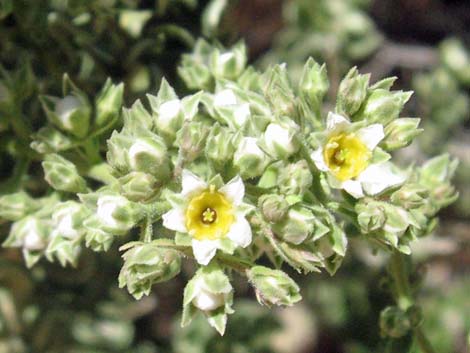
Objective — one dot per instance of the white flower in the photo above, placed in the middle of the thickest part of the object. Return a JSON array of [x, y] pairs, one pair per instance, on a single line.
[[210, 216], [346, 156], [68, 219], [29, 234]]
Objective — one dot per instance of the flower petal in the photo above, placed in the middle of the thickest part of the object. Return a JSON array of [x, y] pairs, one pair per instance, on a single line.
[[191, 183], [371, 135], [175, 220], [240, 231], [336, 122], [378, 177], [204, 250], [353, 188], [319, 160], [234, 190]]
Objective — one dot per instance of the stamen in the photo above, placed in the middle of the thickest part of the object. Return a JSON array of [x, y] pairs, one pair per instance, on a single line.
[[208, 216]]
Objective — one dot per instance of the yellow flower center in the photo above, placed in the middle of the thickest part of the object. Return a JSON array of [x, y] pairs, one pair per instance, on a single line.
[[346, 156], [209, 215]]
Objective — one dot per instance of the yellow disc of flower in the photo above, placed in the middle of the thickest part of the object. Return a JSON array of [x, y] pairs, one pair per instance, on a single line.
[[346, 156], [209, 215]]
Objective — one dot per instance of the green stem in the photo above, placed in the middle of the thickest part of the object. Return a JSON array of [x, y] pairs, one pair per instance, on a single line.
[[404, 296], [101, 172], [423, 341]]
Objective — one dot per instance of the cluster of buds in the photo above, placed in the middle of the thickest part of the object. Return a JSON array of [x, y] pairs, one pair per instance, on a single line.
[[251, 166]]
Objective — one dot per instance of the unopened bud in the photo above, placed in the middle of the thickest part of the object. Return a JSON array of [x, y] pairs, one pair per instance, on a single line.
[[273, 207], [62, 174], [297, 226], [249, 158], [400, 133]]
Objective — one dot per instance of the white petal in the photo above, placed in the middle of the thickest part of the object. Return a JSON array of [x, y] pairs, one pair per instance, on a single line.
[[240, 231], [234, 190], [378, 177], [319, 160], [241, 114], [224, 98], [353, 188], [207, 301], [336, 122], [175, 220], [371, 135], [191, 183], [204, 250], [169, 110]]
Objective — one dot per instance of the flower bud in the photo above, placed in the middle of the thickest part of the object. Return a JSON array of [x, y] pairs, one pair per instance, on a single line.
[[96, 238], [297, 226], [219, 145], [278, 91], [296, 179], [352, 92], [62, 174], [169, 118], [149, 155], [383, 106], [410, 196], [68, 220], [30, 233], [191, 139], [209, 291], [118, 148], [249, 158], [400, 133], [313, 84], [273, 207], [394, 322], [273, 287], [15, 206], [146, 264], [138, 186], [370, 215], [116, 214], [70, 114], [230, 109], [108, 103], [194, 69], [228, 65], [278, 141]]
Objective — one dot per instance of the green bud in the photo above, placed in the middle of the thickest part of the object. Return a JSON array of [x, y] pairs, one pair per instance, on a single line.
[[273, 287], [118, 147], [394, 322], [137, 120], [410, 196], [191, 139], [273, 207], [279, 93], [228, 65], [30, 233], [108, 103], [313, 84], [400, 133], [194, 68], [96, 238], [149, 155], [68, 218], [70, 114], [229, 109], [279, 140], [296, 179], [457, 59], [208, 291], [352, 92], [370, 215], [138, 186], [220, 145], [146, 264], [116, 214], [50, 140], [383, 106], [62, 174], [15, 206], [249, 158], [297, 226]]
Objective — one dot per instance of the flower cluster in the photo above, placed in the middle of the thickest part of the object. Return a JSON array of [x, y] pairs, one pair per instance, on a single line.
[[249, 168]]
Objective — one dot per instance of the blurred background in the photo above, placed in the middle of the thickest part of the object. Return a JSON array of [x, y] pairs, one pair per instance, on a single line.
[[425, 43]]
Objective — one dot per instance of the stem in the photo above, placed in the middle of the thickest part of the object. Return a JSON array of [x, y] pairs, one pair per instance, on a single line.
[[404, 296]]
